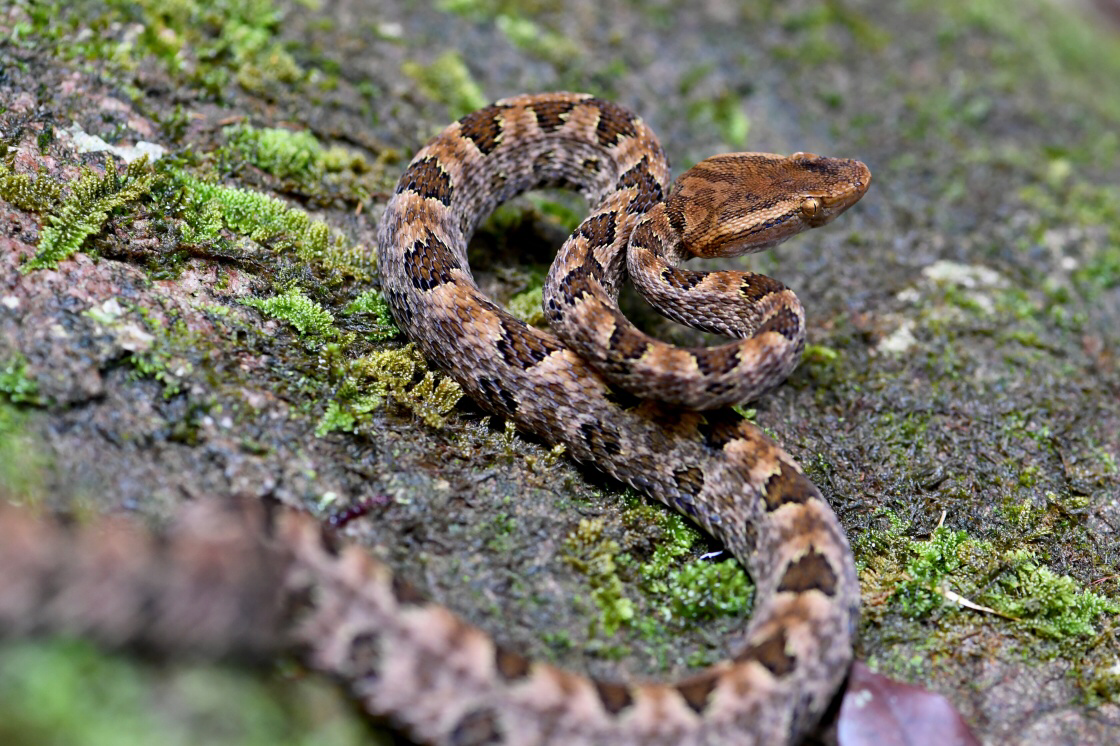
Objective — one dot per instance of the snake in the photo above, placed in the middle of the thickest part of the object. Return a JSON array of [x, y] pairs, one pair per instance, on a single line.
[[253, 578]]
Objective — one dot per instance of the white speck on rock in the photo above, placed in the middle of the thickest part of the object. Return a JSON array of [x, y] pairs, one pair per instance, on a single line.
[[964, 275], [87, 143], [899, 341]]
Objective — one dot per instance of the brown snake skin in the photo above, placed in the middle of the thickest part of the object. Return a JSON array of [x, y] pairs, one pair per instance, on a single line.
[[257, 578]]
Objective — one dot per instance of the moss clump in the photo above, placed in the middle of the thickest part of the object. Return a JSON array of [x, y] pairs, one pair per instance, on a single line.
[[1049, 604], [302, 162], [593, 555], [447, 81], [1013, 583], [41, 194], [528, 306], [23, 461], [85, 210], [15, 384], [369, 381], [308, 317], [262, 218], [705, 590], [372, 303], [283, 153]]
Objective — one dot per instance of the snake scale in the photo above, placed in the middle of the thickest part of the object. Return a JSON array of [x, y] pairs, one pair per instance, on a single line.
[[254, 578]]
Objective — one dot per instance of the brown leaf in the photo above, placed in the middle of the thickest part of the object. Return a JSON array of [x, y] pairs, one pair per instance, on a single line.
[[877, 711]]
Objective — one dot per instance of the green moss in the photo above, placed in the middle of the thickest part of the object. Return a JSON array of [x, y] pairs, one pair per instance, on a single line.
[[23, 460], [528, 306], [371, 302], [308, 317], [211, 44], [1049, 604], [262, 218], [447, 81], [84, 212], [388, 375], [301, 160], [1013, 583], [15, 384], [705, 590], [283, 153], [41, 194], [1060, 202], [594, 555], [46, 697]]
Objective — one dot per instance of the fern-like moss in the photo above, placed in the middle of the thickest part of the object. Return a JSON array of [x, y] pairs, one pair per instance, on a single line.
[[308, 317], [40, 194], [371, 302], [262, 218], [84, 212], [389, 374]]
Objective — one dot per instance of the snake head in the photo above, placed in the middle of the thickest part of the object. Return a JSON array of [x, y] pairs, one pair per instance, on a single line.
[[737, 203]]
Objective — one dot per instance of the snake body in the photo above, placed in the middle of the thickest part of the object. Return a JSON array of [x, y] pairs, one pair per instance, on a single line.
[[714, 466], [262, 577]]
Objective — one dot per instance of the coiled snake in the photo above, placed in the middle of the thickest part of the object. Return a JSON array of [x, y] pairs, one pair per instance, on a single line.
[[657, 425]]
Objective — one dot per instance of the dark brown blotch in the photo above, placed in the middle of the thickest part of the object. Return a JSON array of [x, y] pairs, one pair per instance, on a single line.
[[756, 287], [599, 230], [690, 480], [784, 322], [615, 697], [787, 486], [720, 427], [483, 128], [626, 343], [477, 728], [622, 398], [511, 666], [401, 308], [644, 236], [601, 438], [614, 124], [551, 115], [771, 654], [647, 189], [576, 284], [429, 263], [718, 361], [496, 398], [697, 690], [811, 571], [681, 279], [522, 346], [428, 179], [406, 593]]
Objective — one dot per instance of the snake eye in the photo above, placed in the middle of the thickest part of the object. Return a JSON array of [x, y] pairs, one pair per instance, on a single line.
[[810, 207]]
